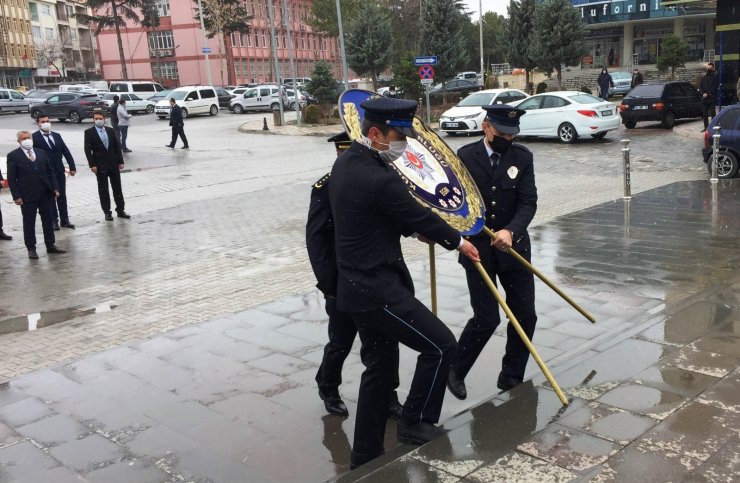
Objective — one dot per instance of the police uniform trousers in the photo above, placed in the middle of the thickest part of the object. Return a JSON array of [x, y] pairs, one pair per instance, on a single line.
[[518, 284], [59, 209], [43, 206], [114, 175], [412, 324]]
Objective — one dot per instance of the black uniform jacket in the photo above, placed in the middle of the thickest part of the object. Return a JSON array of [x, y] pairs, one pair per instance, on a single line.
[[372, 209], [320, 238], [29, 182], [709, 84], [56, 153], [97, 155], [176, 116], [509, 196]]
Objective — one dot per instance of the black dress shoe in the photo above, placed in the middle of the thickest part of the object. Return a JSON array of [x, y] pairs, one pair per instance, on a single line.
[[456, 385], [507, 382], [123, 214], [358, 459], [33, 255], [56, 226], [394, 407], [418, 433], [109, 217], [169, 146], [185, 147], [333, 404], [126, 150], [54, 249], [68, 225], [5, 236]]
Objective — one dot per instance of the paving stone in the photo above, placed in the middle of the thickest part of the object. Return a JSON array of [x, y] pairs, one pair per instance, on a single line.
[[22, 459], [719, 344], [674, 379], [185, 416], [610, 423], [127, 472], [200, 465], [685, 326], [59, 474], [87, 454], [709, 363], [8, 436], [280, 364], [632, 464], [644, 400], [723, 466], [54, 430], [725, 394], [159, 440], [410, 469], [521, 468], [24, 411]]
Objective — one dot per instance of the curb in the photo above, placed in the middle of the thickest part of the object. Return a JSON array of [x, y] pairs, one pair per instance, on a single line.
[[249, 130]]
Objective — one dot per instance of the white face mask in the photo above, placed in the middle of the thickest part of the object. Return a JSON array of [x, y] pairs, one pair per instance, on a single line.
[[27, 144], [395, 150], [45, 126], [99, 123]]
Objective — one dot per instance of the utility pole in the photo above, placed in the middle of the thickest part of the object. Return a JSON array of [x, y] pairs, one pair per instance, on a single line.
[[345, 72], [286, 24], [271, 12], [482, 67], [205, 42]]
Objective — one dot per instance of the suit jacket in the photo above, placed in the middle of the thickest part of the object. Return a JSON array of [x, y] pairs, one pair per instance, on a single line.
[[28, 179], [372, 208], [176, 116], [320, 238], [509, 196], [97, 155], [56, 153], [709, 84]]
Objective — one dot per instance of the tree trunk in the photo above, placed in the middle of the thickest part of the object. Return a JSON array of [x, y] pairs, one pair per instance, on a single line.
[[122, 57], [526, 82], [230, 71], [375, 81], [560, 77]]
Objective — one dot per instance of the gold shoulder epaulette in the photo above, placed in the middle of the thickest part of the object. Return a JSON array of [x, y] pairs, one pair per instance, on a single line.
[[322, 182]]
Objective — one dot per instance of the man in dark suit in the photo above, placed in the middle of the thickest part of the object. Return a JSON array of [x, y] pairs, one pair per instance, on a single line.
[[54, 146], [177, 124], [33, 186], [342, 329], [103, 152], [708, 87], [372, 208], [504, 174], [3, 235]]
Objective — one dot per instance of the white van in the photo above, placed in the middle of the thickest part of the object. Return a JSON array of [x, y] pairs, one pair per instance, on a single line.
[[143, 89], [193, 100], [260, 98], [76, 88]]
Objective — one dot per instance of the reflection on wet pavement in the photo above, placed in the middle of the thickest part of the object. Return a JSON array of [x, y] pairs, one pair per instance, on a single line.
[[40, 320]]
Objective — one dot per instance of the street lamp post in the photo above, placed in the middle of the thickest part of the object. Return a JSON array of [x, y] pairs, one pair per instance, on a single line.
[[271, 13], [482, 69], [345, 72], [205, 42], [286, 24]]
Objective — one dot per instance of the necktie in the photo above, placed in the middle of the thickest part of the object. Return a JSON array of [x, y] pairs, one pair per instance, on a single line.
[[49, 140], [31, 155], [494, 161], [104, 137]]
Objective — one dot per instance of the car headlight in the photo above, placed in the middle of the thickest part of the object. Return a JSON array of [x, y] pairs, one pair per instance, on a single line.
[[472, 116], [444, 118]]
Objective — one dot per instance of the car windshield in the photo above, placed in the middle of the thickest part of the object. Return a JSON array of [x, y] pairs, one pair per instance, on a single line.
[[477, 99], [163, 94], [647, 90], [620, 75], [178, 95], [108, 97], [39, 94], [586, 99]]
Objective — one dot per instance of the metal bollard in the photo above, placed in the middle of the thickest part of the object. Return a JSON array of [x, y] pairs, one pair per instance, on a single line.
[[715, 154], [627, 169], [264, 124]]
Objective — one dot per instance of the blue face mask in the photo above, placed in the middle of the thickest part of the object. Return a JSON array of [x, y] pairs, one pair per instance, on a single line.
[[99, 124]]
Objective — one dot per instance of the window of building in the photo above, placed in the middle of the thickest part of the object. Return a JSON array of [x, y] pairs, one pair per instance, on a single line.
[[165, 70], [73, 34], [36, 32], [163, 39], [49, 33], [163, 7], [45, 10], [264, 40], [249, 40], [256, 39], [34, 11], [70, 11]]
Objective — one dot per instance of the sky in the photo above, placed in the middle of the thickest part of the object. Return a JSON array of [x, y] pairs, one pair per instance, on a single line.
[[498, 6]]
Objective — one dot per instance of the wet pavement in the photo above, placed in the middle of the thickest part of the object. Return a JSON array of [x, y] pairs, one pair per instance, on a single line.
[[653, 384]]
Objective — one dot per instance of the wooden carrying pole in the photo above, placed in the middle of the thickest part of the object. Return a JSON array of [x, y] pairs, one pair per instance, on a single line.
[[542, 277], [433, 278], [521, 333]]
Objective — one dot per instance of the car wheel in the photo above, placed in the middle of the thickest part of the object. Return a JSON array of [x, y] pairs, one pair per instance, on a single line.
[[629, 124], [274, 106], [567, 133], [214, 110], [238, 109], [292, 106], [35, 114], [600, 135], [727, 165], [668, 120], [149, 109], [162, 117], [184, 113], [75, 117]]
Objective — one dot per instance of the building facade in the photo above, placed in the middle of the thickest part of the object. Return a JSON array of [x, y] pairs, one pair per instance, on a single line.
[[173, 52], [17, 51], [626, 32]]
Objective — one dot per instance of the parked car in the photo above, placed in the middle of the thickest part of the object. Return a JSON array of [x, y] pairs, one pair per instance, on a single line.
[[224, 97], [37, 96], [456, 86], [143, 89], [289, 99], [260, 98], [238, 91], [160, 95], [192, 99], [13, 101], [664, 102], [622, 81], [74, 106], [467, 116], [471, 76], [300, 81], [728, 119], [567, 115], [134, 103]]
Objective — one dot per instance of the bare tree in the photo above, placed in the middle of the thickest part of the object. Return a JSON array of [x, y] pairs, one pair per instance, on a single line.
[[221, 19], [52, 51]]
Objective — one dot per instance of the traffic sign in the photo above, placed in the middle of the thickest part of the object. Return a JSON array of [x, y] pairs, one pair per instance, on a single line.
[[427, 82], [426, 72], [206, 50], [427, 59]]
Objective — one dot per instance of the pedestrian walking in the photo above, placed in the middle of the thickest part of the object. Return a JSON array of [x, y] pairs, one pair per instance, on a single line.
[[52, 143], [103, 153], [372, 208], [342, 329], [114, 116], [178, 125], [637, 78], [124, 121], [33, 186], [504, 174], [3, 235], [708, 86], [611, 57], [605, 82]]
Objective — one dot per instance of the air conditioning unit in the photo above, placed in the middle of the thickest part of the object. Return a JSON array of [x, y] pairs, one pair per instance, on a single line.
[[166, 53]]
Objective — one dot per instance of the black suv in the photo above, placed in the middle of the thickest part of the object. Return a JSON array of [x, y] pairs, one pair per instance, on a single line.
[[74, 106], [664, 102]]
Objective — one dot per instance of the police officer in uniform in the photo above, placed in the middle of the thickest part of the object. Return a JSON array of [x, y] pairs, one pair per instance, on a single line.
[[342, 330], [504, 174], [372, 208]]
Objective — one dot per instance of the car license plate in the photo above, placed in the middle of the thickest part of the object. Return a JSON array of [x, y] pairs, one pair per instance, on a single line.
[[638, 108], [606, 113], [452, 124]]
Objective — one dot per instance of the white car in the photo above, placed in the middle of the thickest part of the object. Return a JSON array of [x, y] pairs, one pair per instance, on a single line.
[[134, 103], [192, 99], [567, 115], [467, 116]]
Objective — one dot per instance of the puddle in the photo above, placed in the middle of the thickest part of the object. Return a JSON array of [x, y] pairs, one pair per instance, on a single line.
[[39, 320]]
